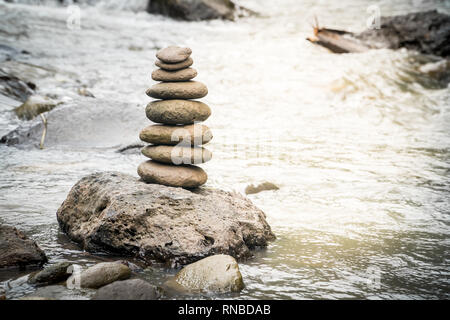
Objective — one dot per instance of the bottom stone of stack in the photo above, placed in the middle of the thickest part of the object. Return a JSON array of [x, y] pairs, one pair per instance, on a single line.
[[185, 176]]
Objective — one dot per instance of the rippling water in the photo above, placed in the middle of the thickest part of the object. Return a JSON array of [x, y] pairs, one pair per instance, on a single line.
[[359, 144]]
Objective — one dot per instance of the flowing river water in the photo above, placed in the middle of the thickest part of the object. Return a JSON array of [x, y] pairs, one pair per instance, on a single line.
[[359, 144]]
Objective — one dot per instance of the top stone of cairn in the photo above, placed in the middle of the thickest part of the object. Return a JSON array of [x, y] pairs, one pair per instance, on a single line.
[[173, 54]]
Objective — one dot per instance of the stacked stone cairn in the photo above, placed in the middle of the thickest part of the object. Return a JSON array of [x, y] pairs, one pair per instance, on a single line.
[[176, 139]]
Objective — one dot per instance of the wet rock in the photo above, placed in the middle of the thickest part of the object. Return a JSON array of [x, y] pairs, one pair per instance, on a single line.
[[177, 154], [175, 66], [173, 54], [15, 88], [218, 274], [59, 292], [174, 76], [195, 134], [116, 212], [77, 123], [193, 10], [85, 92], [101, 274], [177, 111], [34, 106], [178, 90], [427, 32], [16, 250], [133, 289], [183, 176], [251, 189], [53, 274]]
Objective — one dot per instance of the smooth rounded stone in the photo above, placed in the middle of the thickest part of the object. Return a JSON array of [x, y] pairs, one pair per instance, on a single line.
[[173, 54], [116, 212], [174, 66], [177, 111], [185, 176], [177, 154], [51, 275], [100, 275], [175, 76], [178, 90], [133, 289], [218, 274], [16, 250], [194, 134], [252, 189]]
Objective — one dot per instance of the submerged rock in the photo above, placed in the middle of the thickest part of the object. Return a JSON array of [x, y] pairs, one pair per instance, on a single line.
[[77, 123], [251, 189], [116, 212], [218, 274], [51, 275], [193, 10], [427, 32], [133, 289], [101, 274], [16, 250], [15, 88], [59, 292]]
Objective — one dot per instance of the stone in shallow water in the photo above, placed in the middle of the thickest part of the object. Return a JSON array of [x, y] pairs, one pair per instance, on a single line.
[[194, 134], [219, 274], [16, 250], [51, 275], [116, 212], [177, 155], [178, 90], [174, 66], [177, 111], [133, 289], [176, 76], [173, 54], [184, 176], [100, 275]]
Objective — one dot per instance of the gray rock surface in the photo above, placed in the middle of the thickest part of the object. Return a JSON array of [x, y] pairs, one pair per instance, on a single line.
[[178, 90], [174, 76], [218, 274], [16, 250], [195, 134], [133, 289], [184, 176], [116, 212], [175, 66], [177, 111]]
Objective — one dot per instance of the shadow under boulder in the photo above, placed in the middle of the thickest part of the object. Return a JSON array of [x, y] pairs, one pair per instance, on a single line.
[[118, 213]]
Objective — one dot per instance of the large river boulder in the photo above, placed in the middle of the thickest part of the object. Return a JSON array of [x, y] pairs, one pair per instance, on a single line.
[[118, 213], [427, 32]]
